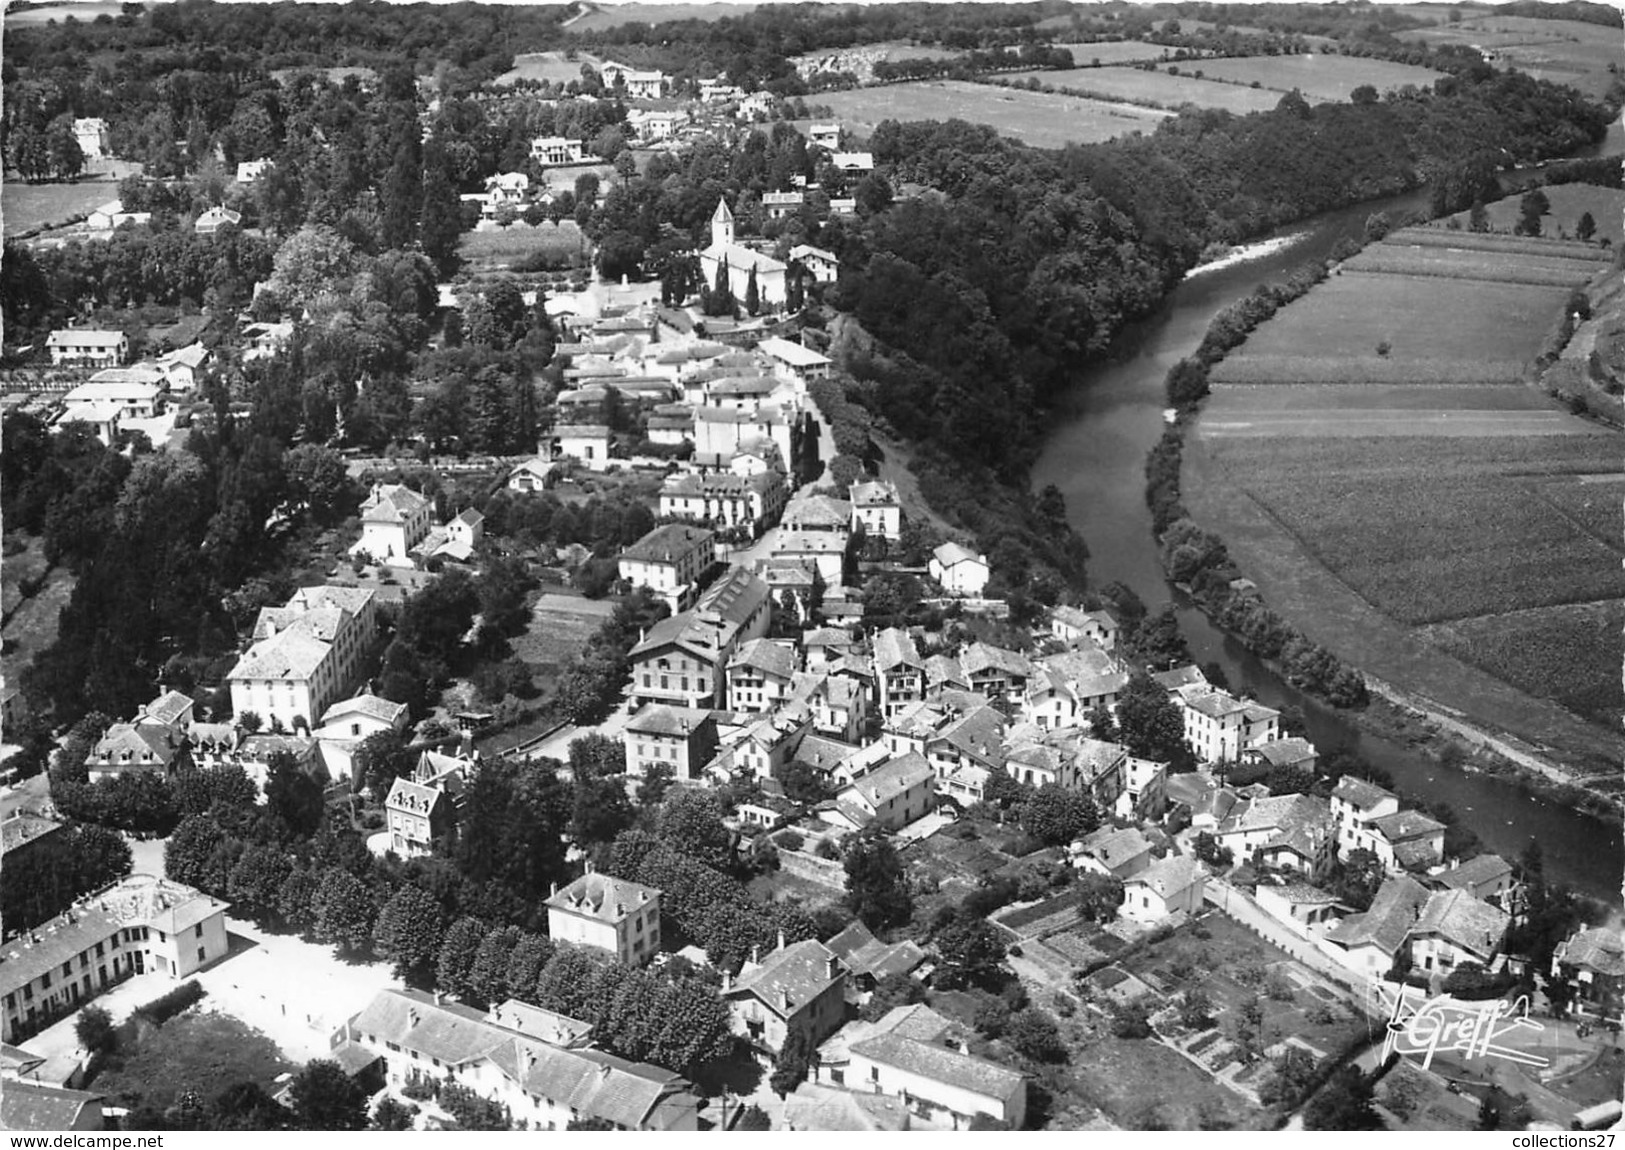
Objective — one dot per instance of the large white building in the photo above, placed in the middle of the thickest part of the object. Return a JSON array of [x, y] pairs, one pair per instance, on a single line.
[[610, 914], [87, 347], [394, 520], [555, 150], [669, 561], [740, 261], [305, 655]]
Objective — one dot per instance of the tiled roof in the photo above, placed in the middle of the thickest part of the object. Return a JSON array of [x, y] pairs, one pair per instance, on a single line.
[[1216, 704], [979, 657], [817, 512], [1464, 920], [369, 706], [734, 598], [166, 708], [796, 974], [1477, 871], [940, 669], [414, 798], [1170, 875], [662, 719], [832, 1111], [84, 337], [604, 897], [143, 744], [1407, 824], [897, 777], [697, 636], [766, 655], [391, 503], [1287, 752], [33, 1106], [668, 543], [23, 828], [878, 493], [939, 1064], [1597, 948], [1114, 847], [952, 554], [863, 953], [893, 648], [291, 654], [1392, 914], [1360, 794], [978, 733]]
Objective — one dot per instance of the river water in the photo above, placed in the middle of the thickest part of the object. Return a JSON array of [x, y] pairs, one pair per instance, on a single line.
[[1103, 430]]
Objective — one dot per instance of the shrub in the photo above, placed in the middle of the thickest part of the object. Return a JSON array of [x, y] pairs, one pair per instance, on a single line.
[[790, 840], [166, 1006]]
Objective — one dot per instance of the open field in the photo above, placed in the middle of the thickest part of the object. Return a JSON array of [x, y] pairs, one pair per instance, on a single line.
[[560, 626], [616, 15], [1036, 118], [1115, 52], [1551, 652], [30, 206], [1157, 89], [1439, 236], [1365, 370], [1562, 51], [84, 12], [1569, 202], [1318, 77], [1325, 400], [1493, 267], [1419, 317], [551, 67], [560, 245], [1493, 544], [1142, 1084]]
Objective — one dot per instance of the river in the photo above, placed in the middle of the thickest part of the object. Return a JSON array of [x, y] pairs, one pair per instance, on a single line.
[[1105, 427]]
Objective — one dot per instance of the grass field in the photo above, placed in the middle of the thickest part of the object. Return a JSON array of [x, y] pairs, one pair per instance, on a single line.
[[1145, 1085], [1329, 401], [1419, 317], [1036, 118], [1115, 52], [617, 15], [551, 67], [1494, 267], [1551, 652], [562, 245], [1562, 51], [560, 626], [1158, 89], [29, 206], [84, 12], [31, 623], [1318, 77], [1460, 239], [1370, 370], [1569, 202]]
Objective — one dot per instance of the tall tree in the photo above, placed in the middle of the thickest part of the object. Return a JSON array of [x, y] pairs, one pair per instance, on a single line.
[[876, 887], [408, 933], [325, 1097]]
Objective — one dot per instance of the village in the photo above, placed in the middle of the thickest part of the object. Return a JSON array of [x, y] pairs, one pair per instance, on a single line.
[[589, 719]]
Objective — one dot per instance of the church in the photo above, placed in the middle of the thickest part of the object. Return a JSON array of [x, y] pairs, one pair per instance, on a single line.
[[770, 282]]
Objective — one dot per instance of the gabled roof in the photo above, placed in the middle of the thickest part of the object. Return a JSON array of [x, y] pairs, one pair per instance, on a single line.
[[1405, 825], [684, 630], [979, 657], [1385, 925], [791, 978], [1113, 847], [1597, 948], [1360, 794], [1460, 918], [766, 655], [939, 1064], [1287, 752], [793, 354], [1169, 876], [1477, 871], [941, 669], [604, 897], [978, 734], [369, 706], [391, 503], [732, 599], [142, 743], [865, 954], [668, 543], [84, 337], [167, 709], [897, 777], [815, 512], [952, 554], [28, 1105], [662, 719], [893, 648]]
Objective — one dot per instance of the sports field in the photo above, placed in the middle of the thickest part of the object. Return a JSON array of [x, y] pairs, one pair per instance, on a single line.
[[1157, 89], [1318, 77], [1421, 509], [1037, 118]]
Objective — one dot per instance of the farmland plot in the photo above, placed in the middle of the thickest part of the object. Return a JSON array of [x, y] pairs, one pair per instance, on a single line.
[[1318, 77], [1544, 271], [1508, 245], [1363, 369], [552, 67], [1040, 119], [1158, 89], [1116, 52], [1562, 51], [1569, 202]]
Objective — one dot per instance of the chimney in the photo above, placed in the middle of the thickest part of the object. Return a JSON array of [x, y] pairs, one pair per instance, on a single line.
[[784, 999], [411, 1016], [781, 940], [831, 967], [727, 982], [755, 954], [620, 909], [643, 896], [603, 1070], [552, 890], [589, 866], [438, 999]]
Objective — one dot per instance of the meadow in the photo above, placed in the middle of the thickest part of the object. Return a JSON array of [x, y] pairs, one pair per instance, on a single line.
[[1370, 370], [557, 245], [82, 11], [1039, 119], [27, 207], [1550, 652], [599, 18], [1318, 77], [1569, 202], [1494, 267], [1418, 317], [1115, 52], [1545, 247], [1562, 51], [1156, 89], [549, 67]]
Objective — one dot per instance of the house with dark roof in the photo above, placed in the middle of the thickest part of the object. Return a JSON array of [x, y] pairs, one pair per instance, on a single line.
[[1171, 886], [1368, 942], [1488, 877], [1065, 687], [916, 1055], [1112, 851], [422, 812], [1592, 962], [1287, 832], [891, 796], [1408, 840], [681, 662], [609, 914], [996, 672], [23, 834], [132, 748], [899, 671], [871, 960], [513, 1056], [669, 561], [1290, 752], [26, 1105], [759, 675], [1454, 928], [796, 988], [682, 738]]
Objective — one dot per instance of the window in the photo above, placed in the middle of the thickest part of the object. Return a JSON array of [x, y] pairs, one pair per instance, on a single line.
[[874, 1074], [200, 957], [67, 969], [197, 931], [45, 982]]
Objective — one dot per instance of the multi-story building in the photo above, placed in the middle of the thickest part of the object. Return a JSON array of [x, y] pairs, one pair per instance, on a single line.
[[877, 507], [306, 655], [1072, 624], [422, 812], [793, 362], [350, 722], [1356, 805], [134, 748], [554, 150], [394, 521], [899, 672], [610, 914], [1488, 877], [135, 926], [1067, 686], [529, 1060], [637, 84], [1592, 962], [891, 796], [1145, 790], [1292, 832], [759, 675], [87, 347], [797, 988], [669, 561], [1219, 726], [722, 499], [682, 738], [962, 572], [1171, 886], [1453, 929]]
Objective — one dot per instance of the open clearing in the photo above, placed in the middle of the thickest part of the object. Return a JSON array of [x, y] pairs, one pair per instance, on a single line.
[[1036, 118], [1157, 89], [560, 245], [599, 19], [560, 626], [84, 12], [551, 67], [1318, 77], [30, 206], [1569, 202]]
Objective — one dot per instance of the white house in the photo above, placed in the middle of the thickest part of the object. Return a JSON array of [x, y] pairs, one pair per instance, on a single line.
[[530, 475], [555, 150], [1219, 726], [423, 811], [826, 136], [823, 266], [91, 135], [394, 521], [891, 796], [638, 85], [669, 561], [216, 218], [794, 363], [877, 506], [87, 347], [350, 722], [305, 655], [1073, 624], [851, 162], [962, 572], [111, 214], [586, 442], [250, 170], [1172, 886], [606, 913], [135, 399]]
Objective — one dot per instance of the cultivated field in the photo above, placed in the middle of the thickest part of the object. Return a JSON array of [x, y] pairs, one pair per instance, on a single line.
[[560, 626], [1115, 52], [559, 245], [1549, 651], [1157, 89], [1318, 77], [1569, 202], [1424, 511], [1562, 51], [1036, 118], [551, 67], [1547, 247]]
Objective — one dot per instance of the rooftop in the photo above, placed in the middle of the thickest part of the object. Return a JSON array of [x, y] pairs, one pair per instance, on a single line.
[[1464, 920], [939, 1064], [793, 354], [1393, 912], [661, 719], [952, 554], [603, 897], [668, 544], [791, 977], [1360, 794], [896, 777]]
